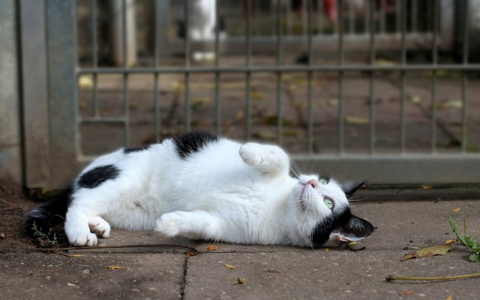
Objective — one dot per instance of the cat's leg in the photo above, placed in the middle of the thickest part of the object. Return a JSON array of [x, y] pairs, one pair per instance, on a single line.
[[83, 222], [77, 228], [194, 225], [266, 158]]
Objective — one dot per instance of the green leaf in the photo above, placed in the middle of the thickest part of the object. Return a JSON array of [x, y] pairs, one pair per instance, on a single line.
[[474, 257]]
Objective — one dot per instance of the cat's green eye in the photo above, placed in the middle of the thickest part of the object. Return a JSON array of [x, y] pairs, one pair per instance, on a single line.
[[323, 181], [328, 202]]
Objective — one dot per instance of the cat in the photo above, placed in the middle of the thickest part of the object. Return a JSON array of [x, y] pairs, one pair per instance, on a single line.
[[205, 187]]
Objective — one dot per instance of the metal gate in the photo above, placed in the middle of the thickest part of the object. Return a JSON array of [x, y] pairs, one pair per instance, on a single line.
[[382, 119]]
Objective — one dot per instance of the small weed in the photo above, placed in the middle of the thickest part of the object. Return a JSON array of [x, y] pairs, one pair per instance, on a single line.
[[466, 240], [44, 240]]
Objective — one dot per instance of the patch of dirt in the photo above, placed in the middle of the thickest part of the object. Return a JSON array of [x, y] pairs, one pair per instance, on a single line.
[[14, 205]]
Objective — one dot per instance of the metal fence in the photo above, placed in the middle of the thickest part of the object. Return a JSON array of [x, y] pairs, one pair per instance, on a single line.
[[322, 138]]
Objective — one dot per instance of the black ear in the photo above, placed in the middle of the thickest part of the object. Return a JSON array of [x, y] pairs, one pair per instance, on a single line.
[[356, 229], [350, 187]]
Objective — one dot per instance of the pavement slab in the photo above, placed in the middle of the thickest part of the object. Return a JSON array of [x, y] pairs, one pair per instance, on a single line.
[[91, 276]]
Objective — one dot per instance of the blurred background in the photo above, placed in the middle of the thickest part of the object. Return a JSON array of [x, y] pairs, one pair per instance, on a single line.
[[377, 89]]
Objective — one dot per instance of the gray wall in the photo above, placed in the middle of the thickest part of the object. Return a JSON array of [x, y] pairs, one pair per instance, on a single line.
[[10, 137]]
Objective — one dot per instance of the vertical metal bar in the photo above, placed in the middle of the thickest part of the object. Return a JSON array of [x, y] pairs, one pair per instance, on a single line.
[[382, 16], [155, 75], [309, 79], [372, 76], [466, 28], [125, 75], [414, 15], [63, 114], [351, 17], [289, 18], [320, 17], [187, 65], [434, 76], [257, 18], [341, 123], [398, 15], [279, 74], [218, 103], [248, 74], [33, 71], [403, 24], [95, 57], [304, 21], [366, 24]]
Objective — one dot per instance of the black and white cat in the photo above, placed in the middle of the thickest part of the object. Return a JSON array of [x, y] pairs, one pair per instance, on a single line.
[[200, 186]]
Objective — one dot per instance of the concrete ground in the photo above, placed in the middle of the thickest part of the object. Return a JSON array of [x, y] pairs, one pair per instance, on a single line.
[[160, 270]]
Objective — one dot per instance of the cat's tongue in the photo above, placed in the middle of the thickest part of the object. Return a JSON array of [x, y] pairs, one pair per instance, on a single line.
[[345, 237], [350, 238]]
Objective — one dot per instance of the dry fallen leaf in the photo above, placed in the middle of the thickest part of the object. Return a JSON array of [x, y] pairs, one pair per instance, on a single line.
[[352, 243], [239, 115], [450, 104], [85, 81], [357, 120], [241, 280], [449, 298], [456, 210], [230, 266], [115, 268], [212, 248], [406, 293], [76, 255], [257, 95], [416, 99], [426, 187], [449, 241], [273, 271], [429, 251], [189, 254]]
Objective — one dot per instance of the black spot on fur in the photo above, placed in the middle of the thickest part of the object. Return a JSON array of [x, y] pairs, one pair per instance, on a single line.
[[135, 149], [97, 176], [193, 142], [322, 231]]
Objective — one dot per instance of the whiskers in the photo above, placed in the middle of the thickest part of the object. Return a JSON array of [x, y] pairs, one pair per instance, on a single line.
[[358, 199]]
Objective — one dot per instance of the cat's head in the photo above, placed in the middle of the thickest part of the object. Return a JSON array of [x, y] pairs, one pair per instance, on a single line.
[[322, 214]]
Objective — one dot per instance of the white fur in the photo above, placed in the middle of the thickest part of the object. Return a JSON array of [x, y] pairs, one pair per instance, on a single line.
[[224, 192]]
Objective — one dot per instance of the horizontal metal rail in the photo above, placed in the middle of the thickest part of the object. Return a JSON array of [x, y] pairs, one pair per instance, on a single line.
[[270, 69]]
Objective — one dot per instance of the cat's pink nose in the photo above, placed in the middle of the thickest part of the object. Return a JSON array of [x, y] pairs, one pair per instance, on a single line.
[[313, 183]]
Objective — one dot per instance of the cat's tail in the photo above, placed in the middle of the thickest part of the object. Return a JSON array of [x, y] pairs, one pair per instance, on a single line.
[[48, 214]]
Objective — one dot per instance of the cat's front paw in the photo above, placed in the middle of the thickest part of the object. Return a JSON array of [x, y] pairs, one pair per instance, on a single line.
[[99, 226], [78, 238], [169, 224]]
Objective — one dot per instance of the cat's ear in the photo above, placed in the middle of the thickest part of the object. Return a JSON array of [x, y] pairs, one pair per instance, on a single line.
[[356, 229], [350, 187]]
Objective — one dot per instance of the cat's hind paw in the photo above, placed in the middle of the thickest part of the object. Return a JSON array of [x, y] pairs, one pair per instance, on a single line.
[[99, 226], [169, 224]]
